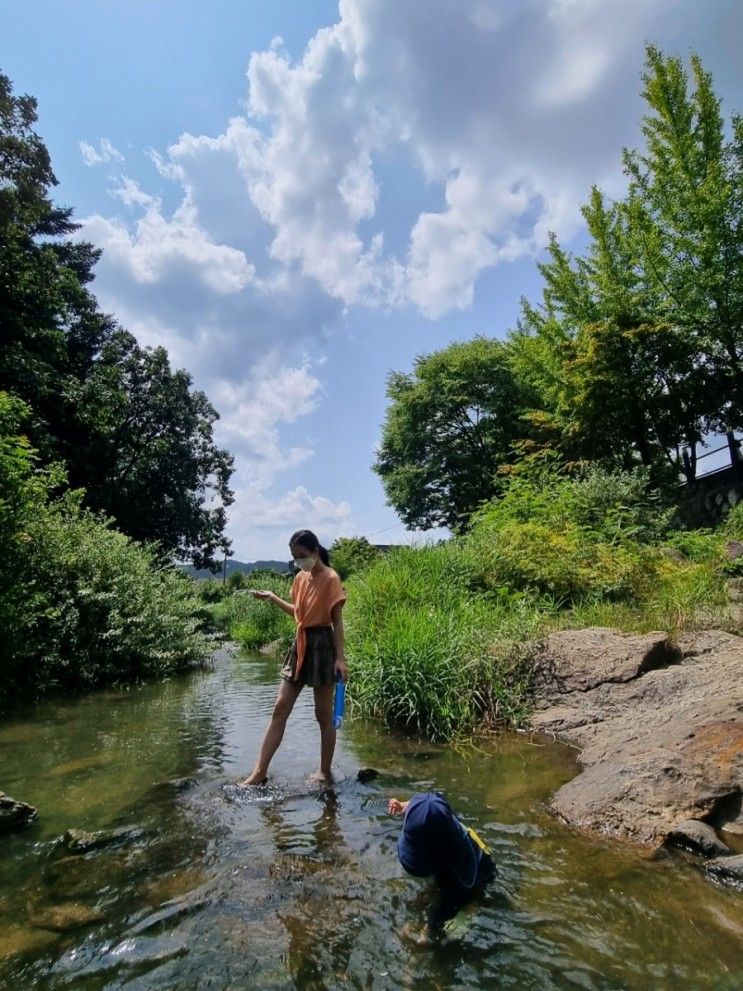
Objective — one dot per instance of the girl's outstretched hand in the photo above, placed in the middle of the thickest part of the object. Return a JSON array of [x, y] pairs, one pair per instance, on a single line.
[[395, 806], [260, 594]]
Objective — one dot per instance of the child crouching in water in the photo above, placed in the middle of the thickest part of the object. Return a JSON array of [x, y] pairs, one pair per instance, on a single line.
[[433, 842]]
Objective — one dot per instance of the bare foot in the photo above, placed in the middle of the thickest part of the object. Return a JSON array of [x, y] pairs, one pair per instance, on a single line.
[[321, 778], [254, 778]]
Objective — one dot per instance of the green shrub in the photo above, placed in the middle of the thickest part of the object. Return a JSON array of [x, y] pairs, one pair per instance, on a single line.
[[565, 564], [253, 623], [684, 597], [97, 607], [80, 604], [697, 545], [610, 506], [350, 555], [570, 537], [210, 590]]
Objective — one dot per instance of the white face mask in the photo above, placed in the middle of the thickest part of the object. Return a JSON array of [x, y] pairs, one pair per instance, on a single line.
[[305, 563]]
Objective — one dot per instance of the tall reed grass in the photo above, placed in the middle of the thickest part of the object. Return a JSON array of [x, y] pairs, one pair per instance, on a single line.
[[430, 650]]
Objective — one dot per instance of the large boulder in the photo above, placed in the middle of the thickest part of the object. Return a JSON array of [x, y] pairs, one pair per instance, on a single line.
[[659, 728], [13, 814], [578, 660]]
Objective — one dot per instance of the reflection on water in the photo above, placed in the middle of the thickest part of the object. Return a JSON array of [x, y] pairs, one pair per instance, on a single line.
[[295, 887]]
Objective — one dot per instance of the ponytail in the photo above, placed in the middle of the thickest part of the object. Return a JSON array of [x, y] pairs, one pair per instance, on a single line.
[[308, 540]]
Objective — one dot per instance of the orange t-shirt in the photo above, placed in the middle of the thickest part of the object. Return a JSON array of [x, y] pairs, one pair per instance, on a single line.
[[314, 597]]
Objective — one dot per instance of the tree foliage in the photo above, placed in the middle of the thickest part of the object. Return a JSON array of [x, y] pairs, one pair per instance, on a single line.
[[149, 455], [635, 350], [449, 427], [131, 432]]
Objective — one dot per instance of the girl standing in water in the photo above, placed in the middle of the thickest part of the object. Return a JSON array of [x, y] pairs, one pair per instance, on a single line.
[[317, 655]]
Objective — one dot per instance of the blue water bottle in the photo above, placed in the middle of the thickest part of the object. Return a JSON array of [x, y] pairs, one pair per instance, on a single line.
[[339, 704]]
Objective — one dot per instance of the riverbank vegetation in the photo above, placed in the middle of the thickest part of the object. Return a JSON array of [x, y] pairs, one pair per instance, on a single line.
[[442, 638], [80, 603], [108, 467], [250, 622]]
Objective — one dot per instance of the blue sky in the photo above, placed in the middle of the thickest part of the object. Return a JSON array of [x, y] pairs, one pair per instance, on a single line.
[[296, 198]]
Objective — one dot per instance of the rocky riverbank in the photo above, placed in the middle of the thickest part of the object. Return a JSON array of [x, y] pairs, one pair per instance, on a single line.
[[659, 729]]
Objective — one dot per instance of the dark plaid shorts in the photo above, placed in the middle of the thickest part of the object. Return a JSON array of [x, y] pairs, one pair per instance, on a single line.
[[319, 659]]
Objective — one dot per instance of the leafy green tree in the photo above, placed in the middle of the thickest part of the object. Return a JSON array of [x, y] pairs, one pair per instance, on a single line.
[[618, 386], [635, 351], [450, 426], [50, 327], [131, 432], [149, 458], [685, 207], [350, 555]]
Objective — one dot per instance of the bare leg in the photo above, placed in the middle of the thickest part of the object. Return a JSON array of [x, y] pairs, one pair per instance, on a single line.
[[324, 716], [288, 694]]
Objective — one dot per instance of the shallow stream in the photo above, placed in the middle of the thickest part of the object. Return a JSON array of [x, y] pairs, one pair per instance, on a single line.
[[292, 887]]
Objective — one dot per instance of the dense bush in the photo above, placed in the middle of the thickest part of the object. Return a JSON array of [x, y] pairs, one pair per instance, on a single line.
[[350, 555], [253, 623], [572, 537], [80, 604]]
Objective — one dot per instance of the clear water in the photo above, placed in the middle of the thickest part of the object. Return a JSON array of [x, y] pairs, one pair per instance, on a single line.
[[298, 889]]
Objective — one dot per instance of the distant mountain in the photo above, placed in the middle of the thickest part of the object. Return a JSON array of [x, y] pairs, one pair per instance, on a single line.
[[232, 566]]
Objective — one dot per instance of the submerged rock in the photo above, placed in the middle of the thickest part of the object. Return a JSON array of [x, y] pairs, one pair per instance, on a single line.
[[83, 878], [13, 814], [659, 728], [66, 917], [80, 841], [367, 774], [699, 837], [171, 787], [727, 868]]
